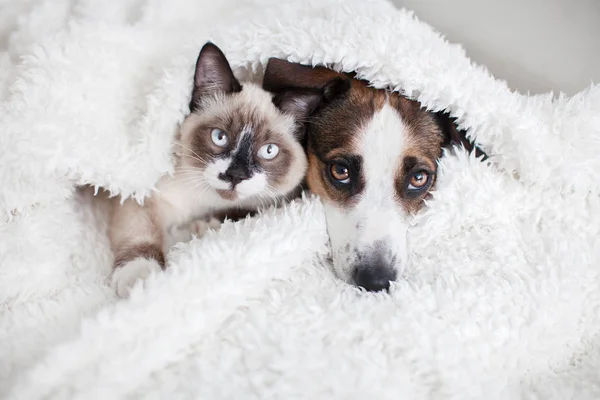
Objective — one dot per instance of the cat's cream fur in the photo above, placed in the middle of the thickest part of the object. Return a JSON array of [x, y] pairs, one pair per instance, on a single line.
[[138, 234]]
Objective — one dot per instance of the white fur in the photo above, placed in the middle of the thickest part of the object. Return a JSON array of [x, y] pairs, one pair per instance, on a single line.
[[501, 292], [135, 271], [377, 217], [252, 186], [213, 170]]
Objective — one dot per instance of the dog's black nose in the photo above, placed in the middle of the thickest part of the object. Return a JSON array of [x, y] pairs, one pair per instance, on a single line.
[[374, 278]]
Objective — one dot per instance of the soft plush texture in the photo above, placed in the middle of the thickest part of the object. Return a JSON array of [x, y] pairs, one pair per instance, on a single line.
[[501, 296]]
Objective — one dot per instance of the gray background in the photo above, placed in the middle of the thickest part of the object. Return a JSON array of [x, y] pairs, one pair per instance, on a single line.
[[537, 46]]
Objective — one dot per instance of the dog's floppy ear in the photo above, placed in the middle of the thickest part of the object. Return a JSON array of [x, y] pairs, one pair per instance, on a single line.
[[455, 136], [300, 89], [304, 81], [281, 74], [213, 75], [301, 102]]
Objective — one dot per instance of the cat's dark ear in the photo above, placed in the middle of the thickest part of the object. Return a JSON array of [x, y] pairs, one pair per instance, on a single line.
[[213, 74]]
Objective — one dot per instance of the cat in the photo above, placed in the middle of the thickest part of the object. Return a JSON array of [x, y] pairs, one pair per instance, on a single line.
[[238, 148]]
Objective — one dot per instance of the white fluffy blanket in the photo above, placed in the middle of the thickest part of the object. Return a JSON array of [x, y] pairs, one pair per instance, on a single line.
[[501, 298]]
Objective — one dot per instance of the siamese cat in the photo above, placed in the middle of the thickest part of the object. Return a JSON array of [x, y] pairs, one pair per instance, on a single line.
[[236, 149]]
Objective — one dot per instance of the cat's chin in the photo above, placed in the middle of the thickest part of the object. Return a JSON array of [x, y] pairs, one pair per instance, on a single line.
[[230, 195]]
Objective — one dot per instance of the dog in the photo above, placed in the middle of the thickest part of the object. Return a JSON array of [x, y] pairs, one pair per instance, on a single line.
[[372, 161]]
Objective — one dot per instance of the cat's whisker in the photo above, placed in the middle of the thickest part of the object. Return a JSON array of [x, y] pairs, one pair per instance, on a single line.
[[285, 197], [186, 176], [277, 195], [199, 158], [190, 172], [274, 196], [262, 203], [187, 173], [270, 193], [197, 187], [195, 158], [189, 168], [192, 183], [189, 181], [261, 198], [267, 194]]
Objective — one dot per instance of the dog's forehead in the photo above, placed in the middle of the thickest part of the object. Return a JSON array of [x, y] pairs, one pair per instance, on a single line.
[[337, 124], [381, 144], [343, 123]]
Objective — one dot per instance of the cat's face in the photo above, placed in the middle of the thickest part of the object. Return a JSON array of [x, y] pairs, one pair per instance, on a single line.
[[243, 146], [236, 142]]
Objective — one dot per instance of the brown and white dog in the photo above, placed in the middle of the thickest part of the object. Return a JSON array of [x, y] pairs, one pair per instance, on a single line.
[[372, 160]]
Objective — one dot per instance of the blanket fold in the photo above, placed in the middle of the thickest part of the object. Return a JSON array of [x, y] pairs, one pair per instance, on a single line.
[[501, 294]]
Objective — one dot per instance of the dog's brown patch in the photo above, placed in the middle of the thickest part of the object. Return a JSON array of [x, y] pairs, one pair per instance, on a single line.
[[319, 184], [423, 147], [149, 251], [425, 136], [336, 127]]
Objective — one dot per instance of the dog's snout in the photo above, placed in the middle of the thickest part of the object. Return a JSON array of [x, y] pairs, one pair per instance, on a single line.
[[374, 278]]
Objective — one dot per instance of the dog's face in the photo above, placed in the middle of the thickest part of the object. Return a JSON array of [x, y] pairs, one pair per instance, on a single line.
[[372, 160]]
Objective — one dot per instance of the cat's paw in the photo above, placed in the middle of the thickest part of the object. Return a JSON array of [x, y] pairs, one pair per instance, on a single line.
[[128, 274], [200, 226], [184, 233]]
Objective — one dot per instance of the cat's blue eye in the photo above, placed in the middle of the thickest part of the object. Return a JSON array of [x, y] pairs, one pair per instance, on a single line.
[[268, 151], [219, 137]]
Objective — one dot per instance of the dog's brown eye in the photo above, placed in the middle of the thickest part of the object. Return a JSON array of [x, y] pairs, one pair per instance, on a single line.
[[418, 180], [340, 173]]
